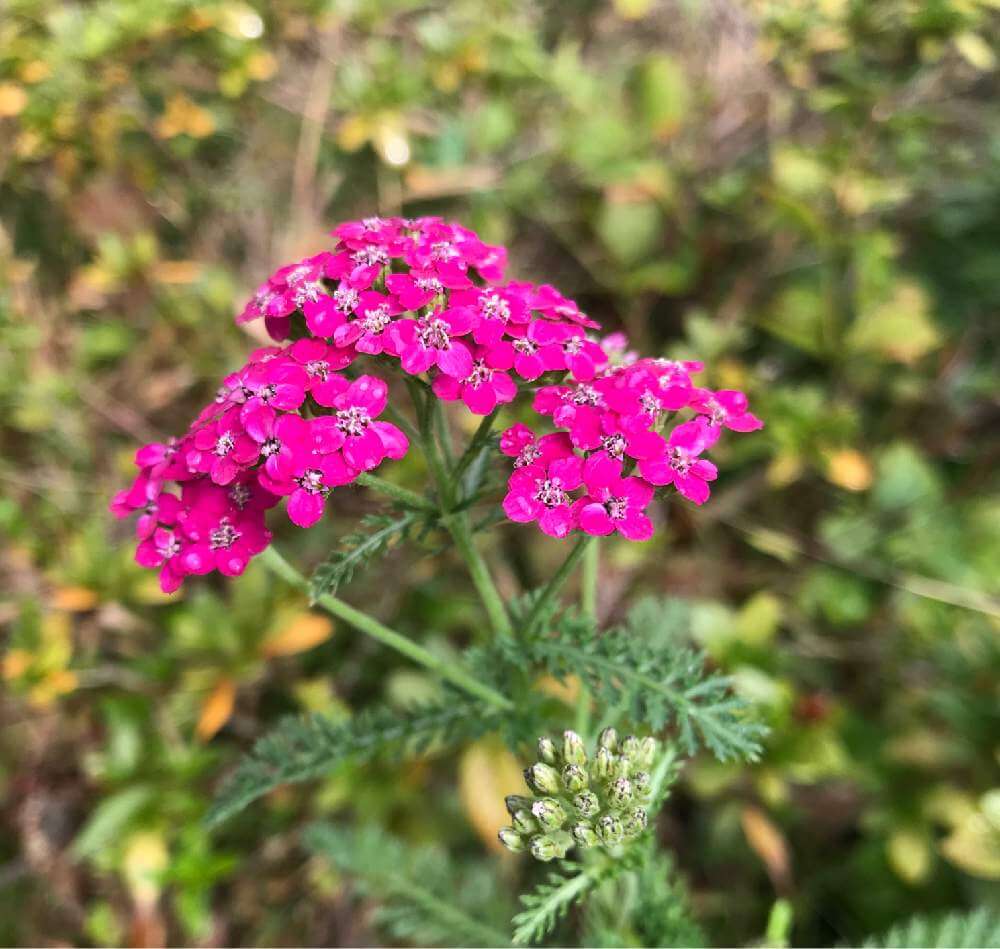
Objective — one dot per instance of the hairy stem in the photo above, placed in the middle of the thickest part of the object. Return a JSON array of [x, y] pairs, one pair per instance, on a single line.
[[475, 445], [588, 604], [404, 496], [556, 584], [446, 669], [457, 522]]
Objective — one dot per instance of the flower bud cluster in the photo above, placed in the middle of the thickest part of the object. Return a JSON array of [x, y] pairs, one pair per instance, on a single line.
[[580, 800]]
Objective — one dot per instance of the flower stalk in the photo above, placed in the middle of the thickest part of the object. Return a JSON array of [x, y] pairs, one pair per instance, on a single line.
[[446, 669]]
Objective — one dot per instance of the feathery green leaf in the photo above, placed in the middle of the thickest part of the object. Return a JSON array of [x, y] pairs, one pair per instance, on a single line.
[[300, 748], [375, 536], [428, 899], [979, 928]]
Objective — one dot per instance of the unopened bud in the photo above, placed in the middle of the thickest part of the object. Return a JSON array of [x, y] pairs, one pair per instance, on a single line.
[[517, 802], [549, 813], [524, 823], [573, 749], [586, 803], [648, 748], [547, 750], [630, 747], [604, 763], [635, 821], [542, 778], [585, 835], [620, 793], [544, 848], [574, 778], [511, 839], [608, 739], [641, 783], [609, 829]]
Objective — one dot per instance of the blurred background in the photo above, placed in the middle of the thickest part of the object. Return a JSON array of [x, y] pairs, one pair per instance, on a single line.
[[804, 193]]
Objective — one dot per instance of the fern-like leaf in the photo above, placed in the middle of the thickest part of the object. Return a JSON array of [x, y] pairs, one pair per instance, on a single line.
[[643, 669], [375, 536], [300, 748], [979, 928], [549, 902], [426, 897]]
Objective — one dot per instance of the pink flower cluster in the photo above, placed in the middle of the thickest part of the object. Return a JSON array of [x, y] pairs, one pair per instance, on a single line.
[[425, 297], [599, 470], [260, 440]]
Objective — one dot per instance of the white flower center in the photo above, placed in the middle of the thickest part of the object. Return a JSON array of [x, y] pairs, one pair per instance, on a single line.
[[311, 481], [224, 536], [550, 492], [353, 421], [433, 334]]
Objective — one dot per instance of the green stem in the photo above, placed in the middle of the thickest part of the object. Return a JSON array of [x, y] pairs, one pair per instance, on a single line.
[[588, 579], [475, 445], [405, 497], [446, 669], [556, 584], [458, 524]]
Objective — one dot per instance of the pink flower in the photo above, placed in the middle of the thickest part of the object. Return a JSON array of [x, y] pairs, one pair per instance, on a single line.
[[222, 449], [570, 349], [526, 448], [542, 493], [616, 505], [219, 536], [281, 440], [482, 390], [369, 330], [278, 384], [325, 314], [552, 304], [725, 408], [364, 442], [496, 309], [581, 409], [429, 341], [321, 364], [415, 289], [162, 549], [681, 465]]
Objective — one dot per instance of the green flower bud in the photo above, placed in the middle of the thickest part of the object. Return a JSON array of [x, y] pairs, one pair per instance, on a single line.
[[544, 848], [648, 748], [524, 823], [605, 762], [517, 802], [635, 821], [630, 747], [584, 835], [608, 739], [549, 813], [573, 749], [511, 839], [547, 750], [620, 793], [610, 830], [574, 778], [587, 804], [641, 783], [542, 778]]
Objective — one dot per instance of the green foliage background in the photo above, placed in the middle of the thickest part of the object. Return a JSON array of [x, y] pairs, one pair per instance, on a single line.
[[805, 193]]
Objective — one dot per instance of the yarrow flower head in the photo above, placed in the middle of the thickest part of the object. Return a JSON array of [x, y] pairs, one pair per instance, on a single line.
[[583, 801], [427, 298]]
